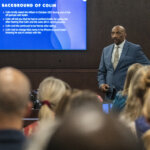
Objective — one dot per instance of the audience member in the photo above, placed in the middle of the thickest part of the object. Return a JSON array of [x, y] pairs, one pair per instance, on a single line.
[[75, 99], [14, 105], [86, 128], [136, 96], [120, 99], [50, 92], [142, 123]]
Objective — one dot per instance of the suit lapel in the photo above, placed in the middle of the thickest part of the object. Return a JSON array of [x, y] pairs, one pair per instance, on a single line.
[[124, 51], [110, 54]]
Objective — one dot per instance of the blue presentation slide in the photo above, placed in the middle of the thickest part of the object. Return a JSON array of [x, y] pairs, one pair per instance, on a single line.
[[43, 24]]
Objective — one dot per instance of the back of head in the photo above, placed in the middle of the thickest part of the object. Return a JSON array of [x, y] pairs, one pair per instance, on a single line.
[[75, 99], [83, 97], [137, 90], [130, 73], [52, 90], [14, 91], [87, 128]]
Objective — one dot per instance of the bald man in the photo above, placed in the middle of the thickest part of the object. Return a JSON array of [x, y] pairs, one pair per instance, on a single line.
[[14, 104], [115, 60]]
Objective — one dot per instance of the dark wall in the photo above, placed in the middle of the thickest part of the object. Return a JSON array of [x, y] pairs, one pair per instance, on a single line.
[[79, 68]]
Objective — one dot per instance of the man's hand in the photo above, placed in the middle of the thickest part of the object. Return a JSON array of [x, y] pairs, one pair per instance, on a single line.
[[104, 87]]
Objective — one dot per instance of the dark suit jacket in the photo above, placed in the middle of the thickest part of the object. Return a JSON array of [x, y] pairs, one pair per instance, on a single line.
[[131, 53], [12, 140]]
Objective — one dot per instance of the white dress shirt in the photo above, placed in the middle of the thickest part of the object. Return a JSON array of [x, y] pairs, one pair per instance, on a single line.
[[120, 50]]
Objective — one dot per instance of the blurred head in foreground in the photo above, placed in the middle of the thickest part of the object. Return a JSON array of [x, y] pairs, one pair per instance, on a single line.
[[87, 128], [14, 97]]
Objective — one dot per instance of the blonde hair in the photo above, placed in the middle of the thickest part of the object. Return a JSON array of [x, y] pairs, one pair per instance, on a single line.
[[136, 95], [52, 90], [146, 107], [130, 73]]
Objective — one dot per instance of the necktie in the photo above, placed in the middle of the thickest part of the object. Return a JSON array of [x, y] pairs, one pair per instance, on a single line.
[[116, 57]]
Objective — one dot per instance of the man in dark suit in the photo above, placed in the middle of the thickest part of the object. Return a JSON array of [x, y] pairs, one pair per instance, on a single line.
[[115, 60]]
